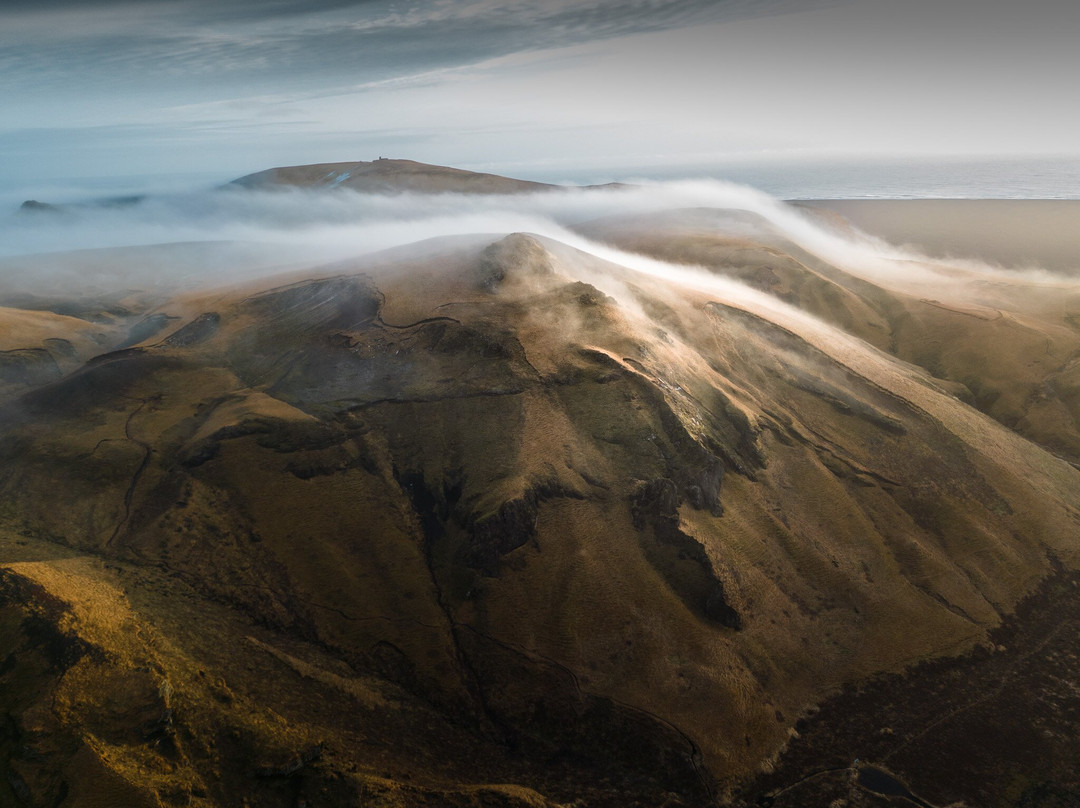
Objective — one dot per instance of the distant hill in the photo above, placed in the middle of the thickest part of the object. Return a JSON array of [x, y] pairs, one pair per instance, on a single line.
[[35, 207], [384, 175]]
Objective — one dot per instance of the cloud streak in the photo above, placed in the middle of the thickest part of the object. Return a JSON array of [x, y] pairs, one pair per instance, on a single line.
[[316, 41]]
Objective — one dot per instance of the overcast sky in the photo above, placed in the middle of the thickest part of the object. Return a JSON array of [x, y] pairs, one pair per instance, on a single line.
[[530, 87]]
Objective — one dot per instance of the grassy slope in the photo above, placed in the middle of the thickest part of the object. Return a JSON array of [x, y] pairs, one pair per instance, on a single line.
[[482, 506]]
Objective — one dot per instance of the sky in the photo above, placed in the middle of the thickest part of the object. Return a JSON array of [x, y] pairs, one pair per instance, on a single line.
[[542, 89]]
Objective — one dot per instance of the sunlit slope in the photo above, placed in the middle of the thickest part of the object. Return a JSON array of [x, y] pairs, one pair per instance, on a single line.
[[1006, 342], [37, 347], [632, 519]]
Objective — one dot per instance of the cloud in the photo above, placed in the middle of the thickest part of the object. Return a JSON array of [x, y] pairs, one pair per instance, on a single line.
[[288, 42], [318, 227], [203, 86]]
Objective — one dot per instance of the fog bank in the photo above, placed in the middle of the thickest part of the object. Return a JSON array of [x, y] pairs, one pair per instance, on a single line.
[[269, 230]]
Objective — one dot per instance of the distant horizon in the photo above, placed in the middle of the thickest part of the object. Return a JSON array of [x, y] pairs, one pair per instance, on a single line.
[[804, 177]]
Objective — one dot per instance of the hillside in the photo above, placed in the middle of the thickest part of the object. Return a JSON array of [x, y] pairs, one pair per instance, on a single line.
[[497, 520]]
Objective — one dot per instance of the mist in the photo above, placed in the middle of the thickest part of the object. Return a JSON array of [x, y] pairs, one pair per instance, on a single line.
[[255, 232], [351, 222]]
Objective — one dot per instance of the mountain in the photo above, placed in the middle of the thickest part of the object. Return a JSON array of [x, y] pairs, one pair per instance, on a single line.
[[502, 520], [1007, 343], [384, 175]]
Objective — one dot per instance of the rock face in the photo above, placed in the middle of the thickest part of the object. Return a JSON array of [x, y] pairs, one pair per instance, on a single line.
[[393, 533]]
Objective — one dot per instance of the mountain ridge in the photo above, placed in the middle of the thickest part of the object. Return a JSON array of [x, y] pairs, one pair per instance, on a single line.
[[605, 531]]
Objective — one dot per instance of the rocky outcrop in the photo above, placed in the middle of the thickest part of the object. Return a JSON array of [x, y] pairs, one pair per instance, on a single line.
[[198, 330], [681, 559]]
